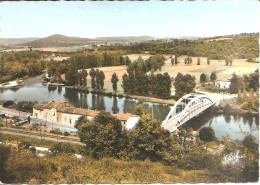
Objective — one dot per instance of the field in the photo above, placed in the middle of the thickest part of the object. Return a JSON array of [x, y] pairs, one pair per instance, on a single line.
[[239, 66]]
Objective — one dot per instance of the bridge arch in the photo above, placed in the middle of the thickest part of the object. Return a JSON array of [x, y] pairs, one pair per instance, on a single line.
[[185, 109]]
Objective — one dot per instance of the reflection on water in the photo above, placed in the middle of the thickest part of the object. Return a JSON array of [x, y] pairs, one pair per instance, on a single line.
[[236, 126]]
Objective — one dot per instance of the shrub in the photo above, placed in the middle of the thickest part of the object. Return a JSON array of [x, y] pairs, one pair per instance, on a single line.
[[207, 134], [66, 133], [25, 144]]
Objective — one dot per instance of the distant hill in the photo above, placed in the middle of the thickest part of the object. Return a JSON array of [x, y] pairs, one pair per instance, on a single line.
[[58, 40], [15, 41]]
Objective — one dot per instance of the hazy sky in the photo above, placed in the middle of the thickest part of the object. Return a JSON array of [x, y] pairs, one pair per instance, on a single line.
[[159, 19]]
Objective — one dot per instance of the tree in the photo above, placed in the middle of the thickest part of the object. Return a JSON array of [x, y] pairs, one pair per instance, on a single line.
[[125, 83], [127, 61], [230, 62], [149, 141], [213, 77], [114, 81], [101, 79], [227, 60], [184, 84], [92, 73], [203, 78], [103, 137], [198, 61], [251, 98], [207, 134], [236, 84], [208, 60], [172, 61]]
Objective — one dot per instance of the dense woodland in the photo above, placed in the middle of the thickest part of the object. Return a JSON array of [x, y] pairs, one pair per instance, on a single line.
[[239, 46], [20, 65]]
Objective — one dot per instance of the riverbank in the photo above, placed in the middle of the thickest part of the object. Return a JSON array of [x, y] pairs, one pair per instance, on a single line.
[[231, 107]]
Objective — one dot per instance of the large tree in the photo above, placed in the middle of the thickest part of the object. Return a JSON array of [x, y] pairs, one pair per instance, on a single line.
[[103, 137]]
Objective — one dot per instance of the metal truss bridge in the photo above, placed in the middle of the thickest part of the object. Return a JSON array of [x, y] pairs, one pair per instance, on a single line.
[[186, 108]]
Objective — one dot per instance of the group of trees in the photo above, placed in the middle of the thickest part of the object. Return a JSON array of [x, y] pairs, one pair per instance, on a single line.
[[19, 65], [188, 60], [97, 79], [80, 61], [247, 89], [247, 82], [103, 137], [238, 46], [248, 100], [138, 81], [204, 77], [229, 61], [184, 84]]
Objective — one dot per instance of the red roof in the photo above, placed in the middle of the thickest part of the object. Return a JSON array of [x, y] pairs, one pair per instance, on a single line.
[[50, 105], [87, 112], [122, 117]]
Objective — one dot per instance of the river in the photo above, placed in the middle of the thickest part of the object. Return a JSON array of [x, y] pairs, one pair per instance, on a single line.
[[33, 90]]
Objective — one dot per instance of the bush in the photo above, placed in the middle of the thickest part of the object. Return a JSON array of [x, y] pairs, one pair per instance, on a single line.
[[63, 148], [56, 131], [33, 149], [25, 144], [207, 134], [66, 133]]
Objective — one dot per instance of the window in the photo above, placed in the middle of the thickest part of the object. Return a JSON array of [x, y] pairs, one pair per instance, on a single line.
[[70, 121]]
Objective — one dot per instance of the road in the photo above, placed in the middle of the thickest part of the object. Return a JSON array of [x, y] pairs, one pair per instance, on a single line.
[[24, 116]]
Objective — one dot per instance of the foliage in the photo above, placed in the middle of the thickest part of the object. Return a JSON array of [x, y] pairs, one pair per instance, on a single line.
[[26, 106], [239, 46], [139, 82], [184, 84], [80, 120], [24, 167], [203, 78], [63, 148], [207, 134], [19, 65], [114, 80], [103, 137], [236, 84], [213, 76], [251, 81]]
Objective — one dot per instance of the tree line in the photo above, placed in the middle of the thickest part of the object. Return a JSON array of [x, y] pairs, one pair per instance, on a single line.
[[238, 46]]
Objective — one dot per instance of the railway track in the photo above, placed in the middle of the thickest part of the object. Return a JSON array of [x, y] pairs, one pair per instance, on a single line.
[[64, 138]]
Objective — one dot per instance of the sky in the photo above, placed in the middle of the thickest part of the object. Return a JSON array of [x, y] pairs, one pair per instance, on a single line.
[[153, 18]]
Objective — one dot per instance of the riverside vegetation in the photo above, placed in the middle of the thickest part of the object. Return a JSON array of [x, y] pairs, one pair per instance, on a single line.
[[148, 154]]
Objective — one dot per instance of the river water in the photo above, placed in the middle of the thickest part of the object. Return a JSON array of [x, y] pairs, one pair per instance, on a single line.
[[33, 90]]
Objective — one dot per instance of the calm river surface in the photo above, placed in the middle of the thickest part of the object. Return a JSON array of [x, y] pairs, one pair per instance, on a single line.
[[33, 90]]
